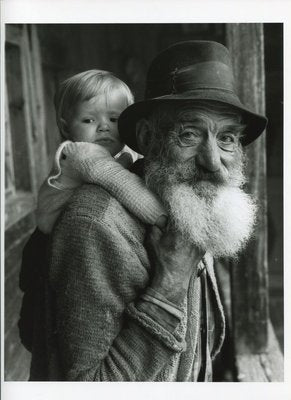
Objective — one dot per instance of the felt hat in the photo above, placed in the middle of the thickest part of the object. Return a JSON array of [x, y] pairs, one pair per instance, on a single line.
[[190, 71]]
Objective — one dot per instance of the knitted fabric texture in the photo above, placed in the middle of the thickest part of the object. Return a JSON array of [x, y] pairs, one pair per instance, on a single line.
[[90, 163], [99, 269]]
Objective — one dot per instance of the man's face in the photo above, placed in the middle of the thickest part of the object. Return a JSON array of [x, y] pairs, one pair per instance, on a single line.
[[196, 167], [201, 145]]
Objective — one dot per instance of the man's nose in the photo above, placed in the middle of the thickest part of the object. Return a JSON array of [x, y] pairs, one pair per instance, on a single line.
[[208, 155]]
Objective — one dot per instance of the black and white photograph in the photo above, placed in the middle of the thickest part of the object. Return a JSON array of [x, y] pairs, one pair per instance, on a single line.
[[142, 205]]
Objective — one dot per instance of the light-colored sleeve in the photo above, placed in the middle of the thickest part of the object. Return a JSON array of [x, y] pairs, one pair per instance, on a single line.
[[55, 191], [128, 188], [50, 204], [95, 165]]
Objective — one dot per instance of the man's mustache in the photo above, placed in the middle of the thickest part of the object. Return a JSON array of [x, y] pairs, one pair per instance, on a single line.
[[192, 174]]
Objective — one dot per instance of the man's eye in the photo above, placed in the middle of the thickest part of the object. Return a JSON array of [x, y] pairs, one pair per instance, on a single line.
[[225, 138], [228, 141], [188, 134]]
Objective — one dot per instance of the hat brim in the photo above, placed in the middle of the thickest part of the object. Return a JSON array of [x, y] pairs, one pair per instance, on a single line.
[[255, 123]]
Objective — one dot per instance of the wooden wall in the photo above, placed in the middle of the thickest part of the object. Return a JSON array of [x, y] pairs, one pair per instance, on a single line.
[[25, 168], [274, 109]]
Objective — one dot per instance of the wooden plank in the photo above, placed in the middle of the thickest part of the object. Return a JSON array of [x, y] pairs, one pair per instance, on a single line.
[[19, 232], [28, 111], [249, 275], [17, 99], [12, 310], [18, 368], [18, 207], [52, 134], [9, 167], [35, 86], [265, 367], [12, 279], [13, 295], [16, 358]]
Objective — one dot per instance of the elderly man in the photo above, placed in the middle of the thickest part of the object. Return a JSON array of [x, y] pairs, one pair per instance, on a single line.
[[125, 304]]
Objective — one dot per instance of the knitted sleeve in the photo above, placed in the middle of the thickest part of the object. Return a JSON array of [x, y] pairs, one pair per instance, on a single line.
[[97, 277], [55, 192], [128, 188], [50, 203], [95, 165]]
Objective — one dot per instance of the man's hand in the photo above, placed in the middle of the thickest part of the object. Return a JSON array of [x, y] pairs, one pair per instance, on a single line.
[[174, 260]]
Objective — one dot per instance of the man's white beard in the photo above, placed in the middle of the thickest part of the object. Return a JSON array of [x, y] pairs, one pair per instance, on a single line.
[[220, 226], [217, 217]]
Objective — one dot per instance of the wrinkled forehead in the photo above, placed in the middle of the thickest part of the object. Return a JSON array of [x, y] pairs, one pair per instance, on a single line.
[[200, 112]]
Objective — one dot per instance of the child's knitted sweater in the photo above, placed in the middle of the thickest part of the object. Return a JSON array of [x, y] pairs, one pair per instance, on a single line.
[[91, 163]]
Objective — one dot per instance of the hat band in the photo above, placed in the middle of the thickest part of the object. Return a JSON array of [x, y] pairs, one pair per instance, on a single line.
[[204, 75]]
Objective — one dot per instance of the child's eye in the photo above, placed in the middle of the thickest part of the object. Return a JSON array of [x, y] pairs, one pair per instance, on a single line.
[[113, 119], [88, 120]]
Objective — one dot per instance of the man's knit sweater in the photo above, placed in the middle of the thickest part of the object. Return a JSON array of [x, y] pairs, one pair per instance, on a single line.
[[96, 328]]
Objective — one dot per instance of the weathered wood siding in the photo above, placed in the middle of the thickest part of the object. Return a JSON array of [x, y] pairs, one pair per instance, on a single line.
[[250, 303], [273, 33], [16, 358], [28, 164], [253, 339]]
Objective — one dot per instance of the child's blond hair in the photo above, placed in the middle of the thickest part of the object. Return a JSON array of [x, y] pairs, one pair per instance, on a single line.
[[84, 86]]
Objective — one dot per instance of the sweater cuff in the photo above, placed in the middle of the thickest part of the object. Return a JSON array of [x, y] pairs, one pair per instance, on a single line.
[[145, 318], [157, 298], [167, 320]]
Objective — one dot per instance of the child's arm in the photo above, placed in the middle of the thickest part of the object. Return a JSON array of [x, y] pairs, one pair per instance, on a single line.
[[61, 184], [51, 202], [55, 192], [95, 165]]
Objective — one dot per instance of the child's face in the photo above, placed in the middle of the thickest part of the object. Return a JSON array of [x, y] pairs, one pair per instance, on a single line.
[[95, 121]]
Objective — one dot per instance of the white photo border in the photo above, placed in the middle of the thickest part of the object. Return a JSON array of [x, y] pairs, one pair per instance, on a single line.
[[155, 11]]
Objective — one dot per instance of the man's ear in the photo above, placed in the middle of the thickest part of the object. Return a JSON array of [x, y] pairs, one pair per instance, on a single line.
[[143, 135], [64, 128]]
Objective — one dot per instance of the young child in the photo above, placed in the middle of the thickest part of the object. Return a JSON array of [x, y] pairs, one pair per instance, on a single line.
[[87, 109]]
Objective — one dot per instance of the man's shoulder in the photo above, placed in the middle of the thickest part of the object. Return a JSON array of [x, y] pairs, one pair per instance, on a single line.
[[95, 203], [92, 209], [91, 200]]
